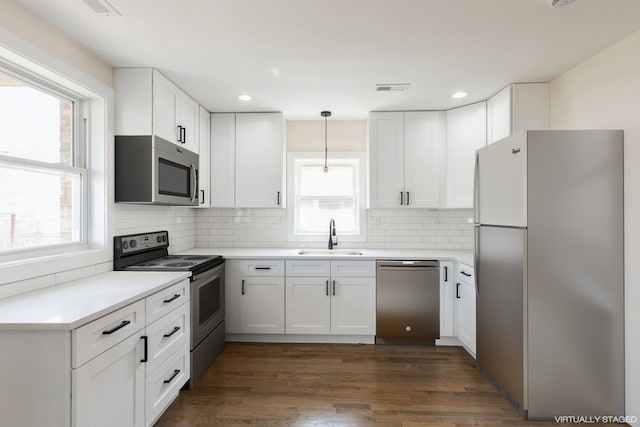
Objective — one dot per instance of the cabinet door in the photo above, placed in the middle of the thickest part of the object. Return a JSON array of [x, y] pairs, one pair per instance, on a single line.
[[262, 305], [110, 389], [386, 160], [423, 141], [223, 160], [204, 177], [499, 115], [165, 101], [466, 132], [353, 306], [188, 115], [308, 305], [446, 299], [259, 160], [466, 316]]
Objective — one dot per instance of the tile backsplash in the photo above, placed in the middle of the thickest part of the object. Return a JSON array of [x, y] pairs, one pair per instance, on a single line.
[[179, 221], [386, 228]]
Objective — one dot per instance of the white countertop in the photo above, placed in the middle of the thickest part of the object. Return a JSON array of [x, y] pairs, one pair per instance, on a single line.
[[465, 257], [73, 304]]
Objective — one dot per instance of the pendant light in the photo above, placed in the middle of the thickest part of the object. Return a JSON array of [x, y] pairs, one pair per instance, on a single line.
[[325, 114]]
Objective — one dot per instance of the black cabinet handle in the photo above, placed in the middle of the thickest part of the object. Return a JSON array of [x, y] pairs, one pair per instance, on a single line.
[[120, 326], [407, 198], [263, 268], [458, 290], [175, 329], [184, 135], [146, 349], [202, 199], [173, 298], [326, 288], [175, 374], [278, 199], [242, 287], [334, 287], [401, 198], [465, 273], [446, 274]]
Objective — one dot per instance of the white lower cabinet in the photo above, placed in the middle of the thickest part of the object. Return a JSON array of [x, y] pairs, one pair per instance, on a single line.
[[337, 303], [122, 369], [110, 389], [446, 299], [465, 308], [254, 296]]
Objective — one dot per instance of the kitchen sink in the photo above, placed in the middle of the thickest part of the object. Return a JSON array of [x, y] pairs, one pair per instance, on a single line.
[[325, 252]]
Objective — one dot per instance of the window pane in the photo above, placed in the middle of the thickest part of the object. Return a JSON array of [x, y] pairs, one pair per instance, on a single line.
[[34, 125], [337, 182], [314, 216], [38, 207]]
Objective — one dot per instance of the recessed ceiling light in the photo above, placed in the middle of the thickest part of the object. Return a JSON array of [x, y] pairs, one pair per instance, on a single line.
[[458, 95], [244, 97]]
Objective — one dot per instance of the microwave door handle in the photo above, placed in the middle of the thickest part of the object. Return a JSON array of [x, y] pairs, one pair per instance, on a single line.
[[194, 193]]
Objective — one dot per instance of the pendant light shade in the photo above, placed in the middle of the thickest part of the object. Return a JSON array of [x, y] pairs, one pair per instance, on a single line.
[[325, 114]]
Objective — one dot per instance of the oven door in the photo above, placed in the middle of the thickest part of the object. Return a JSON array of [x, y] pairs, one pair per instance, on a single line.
[[207, 303], [176, 174]]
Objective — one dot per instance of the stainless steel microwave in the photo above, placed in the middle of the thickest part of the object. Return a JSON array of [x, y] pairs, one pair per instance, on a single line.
[[153, 171]]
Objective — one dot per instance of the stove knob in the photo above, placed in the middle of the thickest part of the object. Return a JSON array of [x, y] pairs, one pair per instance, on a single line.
[[125, 244], [132, 243], [159, 239], [164, 238]]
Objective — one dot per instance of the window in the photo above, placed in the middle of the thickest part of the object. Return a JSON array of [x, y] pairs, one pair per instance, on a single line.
[[42, 170], [317, 197]]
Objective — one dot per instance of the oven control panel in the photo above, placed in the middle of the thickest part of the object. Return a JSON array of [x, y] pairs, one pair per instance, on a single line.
[[138, 242]]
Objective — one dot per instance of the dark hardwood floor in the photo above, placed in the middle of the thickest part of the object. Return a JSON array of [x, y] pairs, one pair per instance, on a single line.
[[341, 385]]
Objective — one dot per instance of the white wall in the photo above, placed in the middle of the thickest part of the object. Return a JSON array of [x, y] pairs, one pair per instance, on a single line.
[[604, 92], [342, 135]]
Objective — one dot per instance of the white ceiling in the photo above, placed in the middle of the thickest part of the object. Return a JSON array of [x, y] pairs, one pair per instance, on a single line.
[[304, 56]]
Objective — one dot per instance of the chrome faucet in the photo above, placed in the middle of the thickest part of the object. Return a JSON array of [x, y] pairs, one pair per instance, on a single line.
[[333, 239]]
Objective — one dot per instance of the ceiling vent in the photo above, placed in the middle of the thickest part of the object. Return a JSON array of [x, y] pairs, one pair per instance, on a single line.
[[392, 87], [559, 3], [102, 7]]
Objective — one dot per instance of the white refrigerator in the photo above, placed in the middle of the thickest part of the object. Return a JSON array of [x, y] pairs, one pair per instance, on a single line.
[[549, 271]]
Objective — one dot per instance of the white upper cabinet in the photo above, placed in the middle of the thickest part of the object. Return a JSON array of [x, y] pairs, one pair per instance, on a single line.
[[466, 132], [204, 177], [404, 155], [147, 103], [520, 106], [247, 160], [223, 160]]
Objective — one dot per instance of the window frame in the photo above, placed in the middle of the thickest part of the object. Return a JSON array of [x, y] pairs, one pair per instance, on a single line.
[[360, 196], [78, 158], [25, 271]]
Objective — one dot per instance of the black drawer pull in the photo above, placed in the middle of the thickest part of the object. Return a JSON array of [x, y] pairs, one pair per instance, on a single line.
[[120, 326], [175, 374], [263, 268], [458, 290], [173, 298], [446, 274], [465, 273], [145, 359], [175, 329]]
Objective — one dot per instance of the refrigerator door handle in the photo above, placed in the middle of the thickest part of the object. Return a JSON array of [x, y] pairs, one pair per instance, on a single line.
[[476, 178], [476, 258]]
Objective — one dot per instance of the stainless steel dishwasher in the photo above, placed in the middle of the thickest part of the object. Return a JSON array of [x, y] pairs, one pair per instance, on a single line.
[[408, 302]]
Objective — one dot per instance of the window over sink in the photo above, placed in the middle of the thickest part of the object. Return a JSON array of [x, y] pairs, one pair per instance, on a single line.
[[318, 196]]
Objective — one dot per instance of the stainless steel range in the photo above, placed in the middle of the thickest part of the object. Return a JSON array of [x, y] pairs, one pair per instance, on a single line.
[[149, 252]]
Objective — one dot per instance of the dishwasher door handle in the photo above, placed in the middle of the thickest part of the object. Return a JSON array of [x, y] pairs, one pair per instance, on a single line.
[[406, 268]]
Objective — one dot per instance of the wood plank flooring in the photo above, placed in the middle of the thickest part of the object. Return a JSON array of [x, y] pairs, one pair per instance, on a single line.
[[341, 385]]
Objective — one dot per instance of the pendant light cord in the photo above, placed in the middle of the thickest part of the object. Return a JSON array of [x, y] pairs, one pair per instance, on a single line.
[[326, 166]]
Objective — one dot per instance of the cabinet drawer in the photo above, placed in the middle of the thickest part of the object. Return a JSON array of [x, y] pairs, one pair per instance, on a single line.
[[166, 335], [166, 300], [163, 385], [257, 267], [341, 268], [308, 268], [96, 337], [465, 275]]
